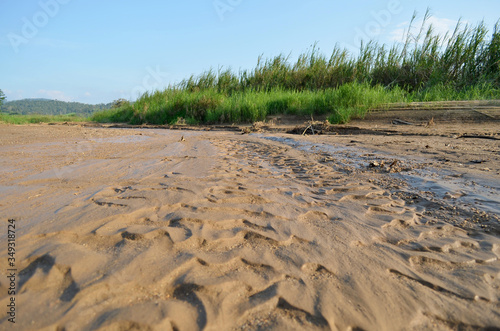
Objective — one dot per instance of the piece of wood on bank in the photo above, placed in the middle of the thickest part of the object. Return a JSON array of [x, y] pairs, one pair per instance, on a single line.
[[401, 122], [309, 127], [478, 137]]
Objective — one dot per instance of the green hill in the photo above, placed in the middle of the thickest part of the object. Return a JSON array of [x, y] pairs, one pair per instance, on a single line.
[[50, 107]]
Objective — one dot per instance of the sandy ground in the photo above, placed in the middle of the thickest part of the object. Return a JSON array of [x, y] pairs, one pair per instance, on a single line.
[[374, 226]]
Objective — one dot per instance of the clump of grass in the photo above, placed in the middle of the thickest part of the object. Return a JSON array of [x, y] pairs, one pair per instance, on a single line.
[[443, 92], [464, 65], [116, 115], [209, 106], [34, 119]]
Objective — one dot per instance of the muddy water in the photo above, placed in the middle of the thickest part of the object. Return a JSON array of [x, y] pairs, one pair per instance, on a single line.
[[469, 190]]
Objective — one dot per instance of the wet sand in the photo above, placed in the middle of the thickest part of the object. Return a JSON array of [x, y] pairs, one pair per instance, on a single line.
[[150, 229]]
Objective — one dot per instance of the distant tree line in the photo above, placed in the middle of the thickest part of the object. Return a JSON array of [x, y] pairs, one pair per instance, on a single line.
[[49, 107]]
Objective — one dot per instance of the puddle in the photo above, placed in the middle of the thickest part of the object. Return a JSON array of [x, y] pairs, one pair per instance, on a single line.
[[467, 191]]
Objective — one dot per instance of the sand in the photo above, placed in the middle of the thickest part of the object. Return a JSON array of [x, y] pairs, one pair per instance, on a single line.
[[377, 227]]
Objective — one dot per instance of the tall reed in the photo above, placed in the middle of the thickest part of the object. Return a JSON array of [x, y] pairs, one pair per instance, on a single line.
[[426, 66]]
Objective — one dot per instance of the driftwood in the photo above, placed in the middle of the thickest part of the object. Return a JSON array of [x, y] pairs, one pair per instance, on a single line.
[[478, 137], [401, 122], [309, 127], [311, 123]]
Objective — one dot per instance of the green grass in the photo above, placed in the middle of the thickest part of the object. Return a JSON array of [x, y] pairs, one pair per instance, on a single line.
[[443, 92], [32, 119], [426, 67], [348, 101], [210, 106]]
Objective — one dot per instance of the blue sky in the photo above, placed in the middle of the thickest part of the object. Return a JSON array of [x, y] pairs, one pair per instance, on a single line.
[[98, 51]]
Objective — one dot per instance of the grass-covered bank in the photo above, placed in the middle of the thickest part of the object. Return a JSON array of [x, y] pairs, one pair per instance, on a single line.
[[34, 119], [425, 67], [210, 106], [342, 104]]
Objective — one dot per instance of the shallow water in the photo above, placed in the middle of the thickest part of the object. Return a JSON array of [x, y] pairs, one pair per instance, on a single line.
[[473, 191]]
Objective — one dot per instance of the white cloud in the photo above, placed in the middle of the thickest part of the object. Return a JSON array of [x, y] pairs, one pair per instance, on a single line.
[[13, 95], [87, 94], [56, 95], [440, 26]]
